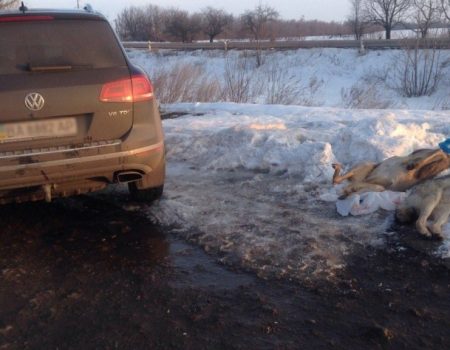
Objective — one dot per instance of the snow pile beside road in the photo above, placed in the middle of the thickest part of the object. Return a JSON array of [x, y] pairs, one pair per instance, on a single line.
[[263, 144], [303, 142], [248, 182], [378, 138]]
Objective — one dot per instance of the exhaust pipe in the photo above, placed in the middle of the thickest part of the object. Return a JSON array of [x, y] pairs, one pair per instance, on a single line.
[[128, 176], [48, 192]]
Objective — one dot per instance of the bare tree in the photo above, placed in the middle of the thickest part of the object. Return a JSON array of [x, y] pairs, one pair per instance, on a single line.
[[425, 13], [445, 7], [256, 22], [154, 22], [387, 13], [131, 24], [6, 4], [141, 23], [356, 18], [181, 25], [214, 22]]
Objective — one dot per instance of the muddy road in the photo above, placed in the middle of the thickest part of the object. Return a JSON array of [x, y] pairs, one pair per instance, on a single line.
[[85, 273]]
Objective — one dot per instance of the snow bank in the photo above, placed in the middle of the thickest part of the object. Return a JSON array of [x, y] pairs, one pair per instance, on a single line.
[[301, 141], [375, 139], [264, 144], [252, 183]]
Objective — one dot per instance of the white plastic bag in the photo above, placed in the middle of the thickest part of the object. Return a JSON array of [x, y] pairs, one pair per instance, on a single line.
[[369, 202]]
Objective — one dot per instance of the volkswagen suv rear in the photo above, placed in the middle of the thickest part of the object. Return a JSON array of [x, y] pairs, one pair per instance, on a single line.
[[75, 114]]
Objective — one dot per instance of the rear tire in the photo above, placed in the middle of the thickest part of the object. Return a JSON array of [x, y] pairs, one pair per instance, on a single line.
[[147, 195]]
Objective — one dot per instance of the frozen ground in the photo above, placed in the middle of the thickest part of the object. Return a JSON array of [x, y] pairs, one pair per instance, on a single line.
[[251, 183], [340, 78]]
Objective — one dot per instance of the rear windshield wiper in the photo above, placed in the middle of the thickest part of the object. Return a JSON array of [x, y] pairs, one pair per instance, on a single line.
[[55, 68]]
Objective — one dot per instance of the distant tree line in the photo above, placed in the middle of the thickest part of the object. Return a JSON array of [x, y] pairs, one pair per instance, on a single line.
[[156, 23], [419, 15], [6, 4]]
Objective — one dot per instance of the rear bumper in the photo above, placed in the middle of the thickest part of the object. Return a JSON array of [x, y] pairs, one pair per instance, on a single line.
[[77, 164], [72, 175]]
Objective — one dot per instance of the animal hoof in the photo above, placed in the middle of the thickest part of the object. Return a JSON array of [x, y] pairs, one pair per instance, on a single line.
[[426, 234], [436, 230], [424, 231], [438, 237]]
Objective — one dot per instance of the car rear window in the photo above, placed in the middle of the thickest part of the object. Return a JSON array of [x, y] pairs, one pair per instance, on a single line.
[[58, 42]]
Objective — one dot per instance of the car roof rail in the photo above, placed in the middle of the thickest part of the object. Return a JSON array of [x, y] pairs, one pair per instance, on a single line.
[[23, 8], [88, 8]]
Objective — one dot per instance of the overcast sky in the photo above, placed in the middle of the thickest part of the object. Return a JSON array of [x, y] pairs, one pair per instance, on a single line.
[[288, 9]]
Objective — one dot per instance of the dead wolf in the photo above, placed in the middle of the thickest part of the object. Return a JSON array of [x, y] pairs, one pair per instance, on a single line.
[[395, 173], [428, 199]]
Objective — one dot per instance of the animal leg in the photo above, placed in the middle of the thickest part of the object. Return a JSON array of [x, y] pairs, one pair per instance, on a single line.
[[337, 170], [357, 173], [426, 208], [441, 214], [434, 157]]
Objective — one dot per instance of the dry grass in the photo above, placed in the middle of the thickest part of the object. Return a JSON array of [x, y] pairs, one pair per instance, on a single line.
[[241, 82], [185, 83], [283, 87], [238, 80], [364, 95]]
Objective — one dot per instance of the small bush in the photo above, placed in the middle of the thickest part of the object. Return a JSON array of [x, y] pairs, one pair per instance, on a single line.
[[281, 86], [364, 95], [238, 80], [185, 83], [418, 71]]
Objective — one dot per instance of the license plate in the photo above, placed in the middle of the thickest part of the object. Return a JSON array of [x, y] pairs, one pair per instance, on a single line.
[[61, 127]]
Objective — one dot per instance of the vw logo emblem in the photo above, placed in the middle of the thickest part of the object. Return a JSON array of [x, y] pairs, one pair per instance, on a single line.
[[34, 101]]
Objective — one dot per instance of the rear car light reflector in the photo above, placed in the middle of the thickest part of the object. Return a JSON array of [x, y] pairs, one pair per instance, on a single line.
[[142, 88], [136, 89]]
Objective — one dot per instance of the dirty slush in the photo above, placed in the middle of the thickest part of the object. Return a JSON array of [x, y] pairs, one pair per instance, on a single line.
[[93, 275]]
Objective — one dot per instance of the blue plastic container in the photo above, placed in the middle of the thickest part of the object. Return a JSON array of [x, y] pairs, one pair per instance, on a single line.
[[445, 146]]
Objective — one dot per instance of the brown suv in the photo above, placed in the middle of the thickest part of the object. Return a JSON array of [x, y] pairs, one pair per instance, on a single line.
[[75, 114]]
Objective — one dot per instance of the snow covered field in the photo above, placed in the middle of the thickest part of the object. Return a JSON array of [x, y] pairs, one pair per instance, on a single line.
[[251, 183], [310, 77]]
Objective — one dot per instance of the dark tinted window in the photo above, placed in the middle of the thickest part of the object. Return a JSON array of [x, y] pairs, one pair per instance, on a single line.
[[78, 43]]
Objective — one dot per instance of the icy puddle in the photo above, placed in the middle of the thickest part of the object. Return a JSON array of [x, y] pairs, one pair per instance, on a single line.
[[244, 219]]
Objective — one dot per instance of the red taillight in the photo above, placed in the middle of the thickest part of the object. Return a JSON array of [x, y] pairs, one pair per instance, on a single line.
[[117, 91], [142, 88], [25, 18], [138, 88]]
